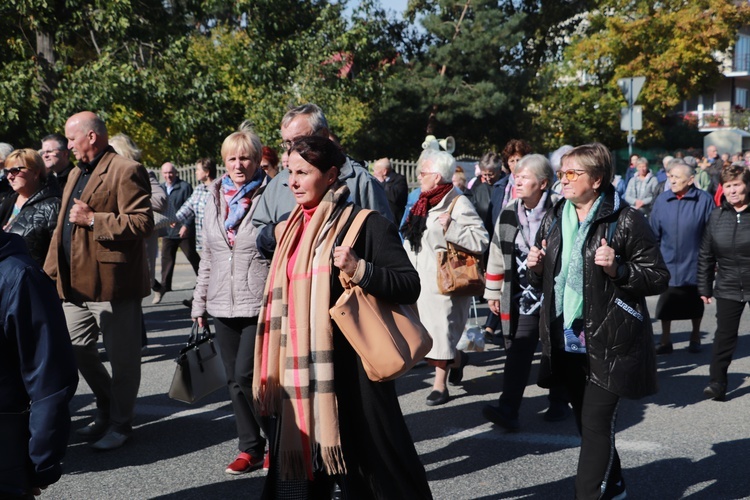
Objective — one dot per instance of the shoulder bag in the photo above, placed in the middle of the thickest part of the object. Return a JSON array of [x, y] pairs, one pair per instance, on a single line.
[[199, 370], [459, 272], [388, 337]]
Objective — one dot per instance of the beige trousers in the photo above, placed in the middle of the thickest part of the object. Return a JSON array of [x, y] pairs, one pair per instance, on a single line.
[[119, 322]]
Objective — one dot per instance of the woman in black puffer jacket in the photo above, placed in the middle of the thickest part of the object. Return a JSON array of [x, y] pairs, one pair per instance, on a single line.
[[31, 210], [596, 260], [726, 242]]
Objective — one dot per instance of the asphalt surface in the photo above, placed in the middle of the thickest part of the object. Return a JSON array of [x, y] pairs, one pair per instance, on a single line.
[[672, 445]]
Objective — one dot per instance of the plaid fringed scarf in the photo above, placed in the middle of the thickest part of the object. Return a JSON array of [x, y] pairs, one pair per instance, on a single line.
[[294, 348]]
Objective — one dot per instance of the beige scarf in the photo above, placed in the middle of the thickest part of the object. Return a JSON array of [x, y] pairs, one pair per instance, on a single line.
[[294, 348]]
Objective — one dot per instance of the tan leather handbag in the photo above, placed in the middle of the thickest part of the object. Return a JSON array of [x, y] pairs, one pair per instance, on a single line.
[[388, 337], [459, 272]]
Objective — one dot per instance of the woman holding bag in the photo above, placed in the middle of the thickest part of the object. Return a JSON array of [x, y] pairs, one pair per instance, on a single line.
[[230, 283], [332, 424], [441, 215]]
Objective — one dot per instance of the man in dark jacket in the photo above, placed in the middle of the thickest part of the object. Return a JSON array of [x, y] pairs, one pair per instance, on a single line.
[[38, 375], [180, 236], [57, 158], [396, 188]]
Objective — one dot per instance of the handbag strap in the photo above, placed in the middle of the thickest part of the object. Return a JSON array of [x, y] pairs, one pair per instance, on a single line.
[[351, 237]]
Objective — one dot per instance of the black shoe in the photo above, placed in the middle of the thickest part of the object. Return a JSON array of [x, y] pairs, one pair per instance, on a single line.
[[695, 347], [664, 348], [716, 391], [615, 491], [94, 431], [557, 412], [496, 416], [437, 398], [456, 375]]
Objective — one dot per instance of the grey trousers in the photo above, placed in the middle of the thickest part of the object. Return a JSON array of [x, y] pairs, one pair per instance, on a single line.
[[119, 322]]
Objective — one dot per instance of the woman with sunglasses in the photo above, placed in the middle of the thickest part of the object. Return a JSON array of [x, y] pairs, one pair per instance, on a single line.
[[596, 259], [31, 210], [331, 423]]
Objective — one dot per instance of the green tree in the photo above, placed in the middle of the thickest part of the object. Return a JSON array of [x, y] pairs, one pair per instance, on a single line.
[[672, 43]]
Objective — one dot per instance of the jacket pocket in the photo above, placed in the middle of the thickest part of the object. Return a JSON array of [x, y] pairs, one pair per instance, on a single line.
[[111, 256], [98, 201], [625, 322]]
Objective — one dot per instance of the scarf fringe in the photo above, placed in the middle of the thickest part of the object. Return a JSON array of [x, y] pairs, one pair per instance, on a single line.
[[333, 460]]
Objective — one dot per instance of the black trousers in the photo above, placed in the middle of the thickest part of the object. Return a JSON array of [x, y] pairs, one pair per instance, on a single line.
[[519, 355], [728, 314], [169, 254], [595, 409], [236, 339]]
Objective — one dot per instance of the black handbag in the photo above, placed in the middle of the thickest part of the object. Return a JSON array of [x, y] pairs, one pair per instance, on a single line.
[[199, 369]]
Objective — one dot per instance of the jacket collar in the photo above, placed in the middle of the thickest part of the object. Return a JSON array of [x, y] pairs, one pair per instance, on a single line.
[[611, 204]]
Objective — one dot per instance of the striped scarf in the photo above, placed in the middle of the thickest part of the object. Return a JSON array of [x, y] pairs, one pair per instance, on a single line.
[[294, 348]]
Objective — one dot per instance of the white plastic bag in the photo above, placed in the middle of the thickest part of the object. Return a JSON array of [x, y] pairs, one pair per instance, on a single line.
[[472, 338]]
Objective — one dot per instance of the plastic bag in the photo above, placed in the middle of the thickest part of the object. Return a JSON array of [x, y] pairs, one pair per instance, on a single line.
[[472, 339]]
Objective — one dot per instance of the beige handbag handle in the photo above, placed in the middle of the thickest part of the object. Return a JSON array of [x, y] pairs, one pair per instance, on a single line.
[[350, 237]]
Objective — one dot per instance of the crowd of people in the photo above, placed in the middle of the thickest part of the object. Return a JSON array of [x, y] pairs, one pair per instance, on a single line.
[[571, 251]]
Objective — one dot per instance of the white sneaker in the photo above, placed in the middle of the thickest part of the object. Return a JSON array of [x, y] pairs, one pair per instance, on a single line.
[[157, 297]]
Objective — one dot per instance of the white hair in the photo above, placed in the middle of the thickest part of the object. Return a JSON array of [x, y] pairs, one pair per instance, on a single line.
[[441, 162], [5, 150], [556, 156]]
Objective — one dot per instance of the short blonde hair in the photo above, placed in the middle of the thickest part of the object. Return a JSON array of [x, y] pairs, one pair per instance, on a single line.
[[30, 159], [124, 146], [243, 139]]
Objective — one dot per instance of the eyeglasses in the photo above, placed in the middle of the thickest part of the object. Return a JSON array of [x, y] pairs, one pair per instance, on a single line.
[[572, 175], [286, 145], [423, 173], [13, 171], [50, 151]]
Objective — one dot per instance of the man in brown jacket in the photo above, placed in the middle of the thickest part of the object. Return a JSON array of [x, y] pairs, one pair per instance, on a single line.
[[97, 257]]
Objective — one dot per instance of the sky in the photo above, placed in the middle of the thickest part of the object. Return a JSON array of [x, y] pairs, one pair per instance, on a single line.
[[398, 6]]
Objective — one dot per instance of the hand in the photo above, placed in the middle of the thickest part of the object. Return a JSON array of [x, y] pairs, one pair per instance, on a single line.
[[444, 220], [80, 214], [638, 204], [278, 231], [605, 257], [183, 232], [535, 258], [345, 259], [201, 320], [494, 306], [706, 300]]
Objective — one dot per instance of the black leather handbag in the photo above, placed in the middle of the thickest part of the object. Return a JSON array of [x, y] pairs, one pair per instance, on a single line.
[[199, 369]]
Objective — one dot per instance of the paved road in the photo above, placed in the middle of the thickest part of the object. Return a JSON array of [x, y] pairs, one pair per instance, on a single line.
[[673, 445]]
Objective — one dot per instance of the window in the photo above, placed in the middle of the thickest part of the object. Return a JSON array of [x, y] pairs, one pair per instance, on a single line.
[[742, 53], [740, 97]]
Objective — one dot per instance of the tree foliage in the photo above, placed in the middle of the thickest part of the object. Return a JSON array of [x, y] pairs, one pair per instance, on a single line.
[[673, 43]]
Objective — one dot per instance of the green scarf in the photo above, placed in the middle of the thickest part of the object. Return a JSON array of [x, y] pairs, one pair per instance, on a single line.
[[569, 283]]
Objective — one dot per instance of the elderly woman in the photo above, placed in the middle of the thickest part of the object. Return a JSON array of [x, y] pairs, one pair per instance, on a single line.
[[333, 425], [596, 261], [511, 297], [433, 221], [724, 259], [31, 210], [678, 219], [642, 188], [230, 283], [504, 190]]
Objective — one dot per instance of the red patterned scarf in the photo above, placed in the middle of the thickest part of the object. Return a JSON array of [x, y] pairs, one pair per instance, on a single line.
[[416, 222]]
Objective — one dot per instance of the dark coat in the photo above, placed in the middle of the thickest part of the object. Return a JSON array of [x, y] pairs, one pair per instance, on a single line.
[[179, 195], [38, 374], [619, 338], [678, 224], [378, 449], [396, 190], [37, 219], [726, 245], [481, 197]]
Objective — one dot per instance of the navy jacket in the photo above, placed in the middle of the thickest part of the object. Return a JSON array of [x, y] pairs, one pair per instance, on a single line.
[[179, 195], [38, 375], [678, 225]]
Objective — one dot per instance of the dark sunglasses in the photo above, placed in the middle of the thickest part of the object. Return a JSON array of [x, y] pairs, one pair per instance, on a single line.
[[14, 171]]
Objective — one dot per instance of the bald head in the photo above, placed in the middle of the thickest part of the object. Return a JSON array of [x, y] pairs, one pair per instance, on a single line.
[[87, 135], [381, 168]]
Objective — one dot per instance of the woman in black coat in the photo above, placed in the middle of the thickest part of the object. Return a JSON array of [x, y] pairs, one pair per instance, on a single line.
[[332, 424], [726, 242], [31, 210], [596, 261]]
